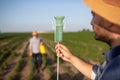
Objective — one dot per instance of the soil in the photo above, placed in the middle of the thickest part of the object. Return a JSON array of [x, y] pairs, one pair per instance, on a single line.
[[70, 74]]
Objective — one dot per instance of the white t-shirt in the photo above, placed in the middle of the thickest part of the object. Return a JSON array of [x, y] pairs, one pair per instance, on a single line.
[[34, 44]]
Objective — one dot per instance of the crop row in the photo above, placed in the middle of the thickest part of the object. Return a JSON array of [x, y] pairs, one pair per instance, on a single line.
[[9, 53], [12, 41], [11, 57], [18, 66], [4, 36]]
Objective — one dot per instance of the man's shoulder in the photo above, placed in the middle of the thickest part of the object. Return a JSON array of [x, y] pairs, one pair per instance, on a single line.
[[116, 60], [112, 71], [115, 63], [40, 38]]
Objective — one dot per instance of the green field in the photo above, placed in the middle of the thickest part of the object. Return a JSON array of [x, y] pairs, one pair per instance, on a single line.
[[15, 61], [81, 44]]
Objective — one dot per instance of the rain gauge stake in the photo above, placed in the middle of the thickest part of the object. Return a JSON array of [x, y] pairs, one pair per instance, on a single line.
[[58, 36]]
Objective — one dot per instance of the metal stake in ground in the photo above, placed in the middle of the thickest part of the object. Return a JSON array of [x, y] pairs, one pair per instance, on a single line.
[[58, 36]]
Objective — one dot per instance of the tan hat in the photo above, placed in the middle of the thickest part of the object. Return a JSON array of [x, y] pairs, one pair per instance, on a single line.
[[108, 9], [34, 33]]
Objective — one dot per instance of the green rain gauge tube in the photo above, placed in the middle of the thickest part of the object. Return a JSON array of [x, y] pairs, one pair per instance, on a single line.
[[58, 36]]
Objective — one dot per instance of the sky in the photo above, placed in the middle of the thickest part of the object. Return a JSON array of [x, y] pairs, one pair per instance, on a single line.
[[38, 15]]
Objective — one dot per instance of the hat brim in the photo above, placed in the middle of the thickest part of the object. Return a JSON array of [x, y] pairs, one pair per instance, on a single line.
[[107, 11]]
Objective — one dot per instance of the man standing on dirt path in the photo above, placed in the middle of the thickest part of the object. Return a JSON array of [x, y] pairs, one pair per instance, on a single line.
[[34, 50], [106, 26]]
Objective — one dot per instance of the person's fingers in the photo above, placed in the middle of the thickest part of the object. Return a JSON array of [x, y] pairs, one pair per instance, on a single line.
[[60, 46], [61, 50], [60, 55], [57, 51], [57, 46], [63, 47]]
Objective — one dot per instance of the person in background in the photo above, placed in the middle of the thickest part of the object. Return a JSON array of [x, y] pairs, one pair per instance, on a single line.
[[106, 26], [34, 50]]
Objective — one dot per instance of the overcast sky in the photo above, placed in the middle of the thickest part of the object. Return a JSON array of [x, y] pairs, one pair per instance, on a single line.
[[38, 15]]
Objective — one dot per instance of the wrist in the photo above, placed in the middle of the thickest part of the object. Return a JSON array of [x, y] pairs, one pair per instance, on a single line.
[[71, 59]]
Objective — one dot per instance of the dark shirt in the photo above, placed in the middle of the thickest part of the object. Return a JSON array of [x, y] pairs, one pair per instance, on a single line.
[[110, 70]]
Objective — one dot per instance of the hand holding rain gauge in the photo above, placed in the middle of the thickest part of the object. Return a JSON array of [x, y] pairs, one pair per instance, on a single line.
[[58, 36]]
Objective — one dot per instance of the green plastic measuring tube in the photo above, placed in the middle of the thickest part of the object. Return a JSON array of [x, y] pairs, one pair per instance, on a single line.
[[58, 36], [59, 28]]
